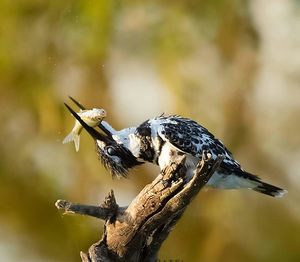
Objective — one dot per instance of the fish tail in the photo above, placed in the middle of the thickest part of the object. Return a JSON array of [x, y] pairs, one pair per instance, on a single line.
[[76, 142], [72, 137]]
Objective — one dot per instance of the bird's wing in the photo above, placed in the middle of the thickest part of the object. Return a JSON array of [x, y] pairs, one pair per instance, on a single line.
[[190, 137]]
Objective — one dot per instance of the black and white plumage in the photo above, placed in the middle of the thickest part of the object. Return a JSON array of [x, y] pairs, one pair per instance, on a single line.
[[161, 140]]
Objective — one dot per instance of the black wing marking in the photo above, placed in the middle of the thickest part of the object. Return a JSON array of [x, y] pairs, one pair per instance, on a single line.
[[190, 137]]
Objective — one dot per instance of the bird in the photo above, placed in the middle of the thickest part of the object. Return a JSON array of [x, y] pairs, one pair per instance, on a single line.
[[161, 140]]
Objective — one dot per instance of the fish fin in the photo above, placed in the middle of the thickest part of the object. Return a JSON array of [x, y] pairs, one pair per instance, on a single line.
[[69, 138], [72, 137]]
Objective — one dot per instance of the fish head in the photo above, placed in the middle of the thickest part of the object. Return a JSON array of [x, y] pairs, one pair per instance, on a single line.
[[93, 117]]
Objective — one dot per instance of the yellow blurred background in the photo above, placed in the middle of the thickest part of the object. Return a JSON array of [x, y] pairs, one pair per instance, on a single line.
[[233, 66]]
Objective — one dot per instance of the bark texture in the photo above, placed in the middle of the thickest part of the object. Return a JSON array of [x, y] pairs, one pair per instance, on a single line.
[[136, 232]]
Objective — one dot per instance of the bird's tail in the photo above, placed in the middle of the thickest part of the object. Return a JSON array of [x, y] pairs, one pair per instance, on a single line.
[[268, 189], [242, 179], [262, 187]]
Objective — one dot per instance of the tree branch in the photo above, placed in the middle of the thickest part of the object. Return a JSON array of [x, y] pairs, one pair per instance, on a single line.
[[105, 211], [136, 232]]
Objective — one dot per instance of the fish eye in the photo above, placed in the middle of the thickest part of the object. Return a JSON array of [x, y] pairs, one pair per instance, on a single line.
[[110, 151]]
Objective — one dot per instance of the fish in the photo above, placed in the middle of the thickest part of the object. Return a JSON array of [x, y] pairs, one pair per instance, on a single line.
[[91, 117]]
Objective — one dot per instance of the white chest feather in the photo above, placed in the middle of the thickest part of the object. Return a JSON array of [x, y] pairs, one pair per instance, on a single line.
[[166, 155], [169, 154]]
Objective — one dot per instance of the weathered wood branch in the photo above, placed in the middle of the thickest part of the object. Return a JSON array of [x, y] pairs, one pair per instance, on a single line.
[[136, 232]]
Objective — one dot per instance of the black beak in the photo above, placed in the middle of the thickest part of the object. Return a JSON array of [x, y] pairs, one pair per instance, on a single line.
[[94, 133], [77, 103], [83, 108]]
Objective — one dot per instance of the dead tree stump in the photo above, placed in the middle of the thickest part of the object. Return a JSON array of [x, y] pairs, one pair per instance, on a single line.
[[135, 233]]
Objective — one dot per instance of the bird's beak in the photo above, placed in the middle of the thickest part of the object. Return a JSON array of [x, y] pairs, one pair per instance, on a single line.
[[94, 133], [77, 103], [84, 108]]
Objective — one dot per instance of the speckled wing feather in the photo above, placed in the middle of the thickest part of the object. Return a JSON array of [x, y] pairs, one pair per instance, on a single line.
[[190, 137]]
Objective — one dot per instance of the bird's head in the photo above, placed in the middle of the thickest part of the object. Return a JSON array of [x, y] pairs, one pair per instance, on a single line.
[[115, 157]]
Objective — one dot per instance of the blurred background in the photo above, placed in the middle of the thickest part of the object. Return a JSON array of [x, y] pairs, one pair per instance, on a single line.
[[231, 65]]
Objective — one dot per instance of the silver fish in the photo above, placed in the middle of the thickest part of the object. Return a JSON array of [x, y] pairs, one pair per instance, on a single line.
[[92, 117]]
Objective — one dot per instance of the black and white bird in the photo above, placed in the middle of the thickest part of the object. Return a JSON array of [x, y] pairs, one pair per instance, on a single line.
[[160, 141]]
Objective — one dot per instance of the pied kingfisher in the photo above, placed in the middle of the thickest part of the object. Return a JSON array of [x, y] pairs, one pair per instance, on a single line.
[[160, 141]]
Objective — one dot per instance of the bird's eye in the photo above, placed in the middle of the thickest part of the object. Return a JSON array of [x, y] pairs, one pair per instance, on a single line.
[[111, 151]]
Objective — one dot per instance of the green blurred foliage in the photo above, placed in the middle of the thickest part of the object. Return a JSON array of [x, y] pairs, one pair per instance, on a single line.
[[207, 56]]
